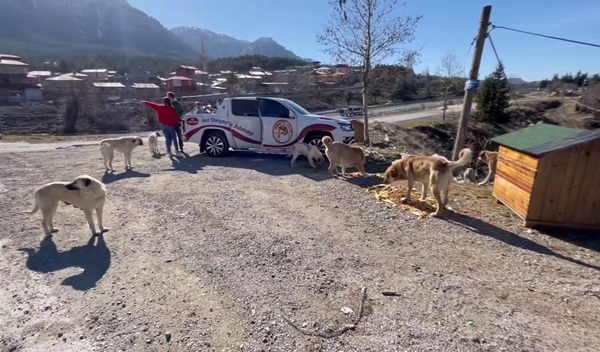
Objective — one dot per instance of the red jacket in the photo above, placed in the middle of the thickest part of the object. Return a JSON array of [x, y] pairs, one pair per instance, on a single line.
[[167, 115]]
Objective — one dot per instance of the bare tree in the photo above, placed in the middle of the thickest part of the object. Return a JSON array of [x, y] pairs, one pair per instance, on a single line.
[[365, 33], [449, 71]]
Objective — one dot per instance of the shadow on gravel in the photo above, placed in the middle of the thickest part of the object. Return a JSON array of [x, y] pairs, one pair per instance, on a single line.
[[489, 230], [129, 173], [93, 258], [274, 165]]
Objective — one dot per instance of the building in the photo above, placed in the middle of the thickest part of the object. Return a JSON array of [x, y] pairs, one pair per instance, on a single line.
[[145, 90], [15, 86], [37, 77], [185, 71], [59, 86], [96, 74], [108, 90], [180, 84], [548, 175]]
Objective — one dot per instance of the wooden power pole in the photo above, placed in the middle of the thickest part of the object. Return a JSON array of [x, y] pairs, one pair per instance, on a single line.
[[472, 83]]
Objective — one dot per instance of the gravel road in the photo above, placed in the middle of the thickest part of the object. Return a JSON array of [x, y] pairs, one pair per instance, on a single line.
[[207, 254]]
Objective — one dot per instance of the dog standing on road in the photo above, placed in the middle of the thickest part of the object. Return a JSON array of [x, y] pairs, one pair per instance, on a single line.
[[433, 172], [153, 142], [311, 152], [123, 145], [342, 155], [85, 193]]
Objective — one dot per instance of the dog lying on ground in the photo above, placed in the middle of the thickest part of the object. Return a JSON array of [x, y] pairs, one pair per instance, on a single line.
[[491, 159], [123, 145], [433, 172], [85, 193], [153, 142], [344, 156], [311, 152]]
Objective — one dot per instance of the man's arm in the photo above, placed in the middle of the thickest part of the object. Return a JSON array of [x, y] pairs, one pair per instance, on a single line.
[[179, 108]]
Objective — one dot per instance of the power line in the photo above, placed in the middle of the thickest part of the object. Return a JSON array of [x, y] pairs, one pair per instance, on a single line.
[[512, 93], [467, 55], [547, 36]]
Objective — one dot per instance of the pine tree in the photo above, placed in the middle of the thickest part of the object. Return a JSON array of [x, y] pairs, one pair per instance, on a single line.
[[493, 97]]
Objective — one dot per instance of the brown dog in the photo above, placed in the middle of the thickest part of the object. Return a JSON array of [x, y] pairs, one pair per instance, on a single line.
[[491, 159], [343, 155], [432, 171]]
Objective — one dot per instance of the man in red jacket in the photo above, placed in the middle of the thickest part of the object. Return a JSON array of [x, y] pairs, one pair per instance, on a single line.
[[168, 118]]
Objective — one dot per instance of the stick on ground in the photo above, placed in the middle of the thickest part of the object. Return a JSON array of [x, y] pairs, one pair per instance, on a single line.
[[337, 332]]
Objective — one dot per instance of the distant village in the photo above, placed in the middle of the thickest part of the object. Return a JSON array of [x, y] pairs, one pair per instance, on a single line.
[[18, 84]]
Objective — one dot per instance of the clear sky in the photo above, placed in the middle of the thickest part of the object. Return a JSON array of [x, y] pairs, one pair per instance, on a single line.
[[447, 26]]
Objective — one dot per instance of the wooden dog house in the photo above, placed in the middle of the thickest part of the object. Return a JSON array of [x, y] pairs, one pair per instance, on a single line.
[[549, 176]]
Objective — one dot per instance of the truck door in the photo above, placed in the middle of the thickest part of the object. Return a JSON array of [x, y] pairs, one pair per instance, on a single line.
[[280, 125], [246, 125]]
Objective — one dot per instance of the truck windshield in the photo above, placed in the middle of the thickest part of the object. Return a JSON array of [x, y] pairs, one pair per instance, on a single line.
[[298, 108]]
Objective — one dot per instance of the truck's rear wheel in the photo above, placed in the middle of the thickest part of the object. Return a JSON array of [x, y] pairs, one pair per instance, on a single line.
[[215, 144]]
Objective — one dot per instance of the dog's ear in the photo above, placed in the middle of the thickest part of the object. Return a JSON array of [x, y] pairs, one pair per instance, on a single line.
[[134, 140], [87, 182]]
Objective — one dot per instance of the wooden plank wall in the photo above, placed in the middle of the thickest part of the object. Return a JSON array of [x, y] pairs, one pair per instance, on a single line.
[[514, 180], [566, 189]]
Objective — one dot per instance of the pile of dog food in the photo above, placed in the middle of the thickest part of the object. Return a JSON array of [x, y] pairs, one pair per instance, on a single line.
[[392, 195]]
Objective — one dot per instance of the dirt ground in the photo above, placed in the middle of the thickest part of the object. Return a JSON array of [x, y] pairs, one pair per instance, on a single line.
[[208, 254]]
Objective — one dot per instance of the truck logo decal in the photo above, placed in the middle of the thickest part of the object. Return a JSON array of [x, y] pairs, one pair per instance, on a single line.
[[319, 127], [282, 131], [192, 121]]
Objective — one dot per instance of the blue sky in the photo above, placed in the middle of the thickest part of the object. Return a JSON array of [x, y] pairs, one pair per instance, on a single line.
[[447, 26]]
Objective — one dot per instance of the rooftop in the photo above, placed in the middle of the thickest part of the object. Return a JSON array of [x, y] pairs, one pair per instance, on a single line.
[[188, 67], [541, 139], [10, 62], [39, 73], [144, 86], [108, 85], [95, 70], [63, 78], [181, 78]]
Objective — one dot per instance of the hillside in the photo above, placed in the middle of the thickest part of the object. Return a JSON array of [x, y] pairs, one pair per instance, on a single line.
[[221, 45], [57, 28]]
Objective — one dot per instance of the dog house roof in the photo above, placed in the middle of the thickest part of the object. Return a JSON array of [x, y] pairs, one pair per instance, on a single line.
[[541, 139]]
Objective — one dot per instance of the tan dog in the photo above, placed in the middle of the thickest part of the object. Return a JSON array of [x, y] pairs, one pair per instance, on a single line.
[[491, 159], [311, 152], [123, 145], [153, 142], [85, 193], [432, 171], [343, 155]]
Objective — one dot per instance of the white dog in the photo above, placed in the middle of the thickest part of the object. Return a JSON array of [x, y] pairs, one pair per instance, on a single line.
[[311, 152], [85, 193], [153, 142], [123, 145]]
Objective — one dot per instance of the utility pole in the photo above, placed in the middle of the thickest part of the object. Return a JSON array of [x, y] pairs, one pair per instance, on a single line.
[[472, 84]]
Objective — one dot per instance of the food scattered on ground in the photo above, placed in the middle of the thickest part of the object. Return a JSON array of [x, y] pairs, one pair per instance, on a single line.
[[393, 195]]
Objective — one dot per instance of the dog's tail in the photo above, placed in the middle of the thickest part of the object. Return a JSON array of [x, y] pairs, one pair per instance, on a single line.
[[35, 208], [327, 141], [464, 158]]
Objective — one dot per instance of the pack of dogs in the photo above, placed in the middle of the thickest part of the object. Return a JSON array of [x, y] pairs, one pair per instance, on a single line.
[[435, 173]]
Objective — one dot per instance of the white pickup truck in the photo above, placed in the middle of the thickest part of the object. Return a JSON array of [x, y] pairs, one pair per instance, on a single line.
[[271, 125]]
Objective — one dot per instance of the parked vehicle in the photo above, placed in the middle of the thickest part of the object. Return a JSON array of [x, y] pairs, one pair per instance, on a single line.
[[270, 125], [351, 111]]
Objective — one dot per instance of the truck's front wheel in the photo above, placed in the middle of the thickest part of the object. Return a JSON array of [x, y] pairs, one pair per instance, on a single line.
[[315, 140], [215, 144]]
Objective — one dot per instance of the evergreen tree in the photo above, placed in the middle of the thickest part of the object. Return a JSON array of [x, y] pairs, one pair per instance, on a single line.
[[493, 97]]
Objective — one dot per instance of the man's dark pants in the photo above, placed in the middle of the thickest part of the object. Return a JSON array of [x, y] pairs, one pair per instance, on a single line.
[[179, 137]]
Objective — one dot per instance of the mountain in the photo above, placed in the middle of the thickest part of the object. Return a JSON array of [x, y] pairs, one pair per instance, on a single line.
[[516, 81], [221, 46], [62, 27]]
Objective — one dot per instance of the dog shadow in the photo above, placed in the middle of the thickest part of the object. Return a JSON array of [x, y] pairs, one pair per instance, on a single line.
[[93, 258], [489, 230], [110, 177]]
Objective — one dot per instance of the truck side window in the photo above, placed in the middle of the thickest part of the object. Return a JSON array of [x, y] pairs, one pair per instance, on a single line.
[[242, 107], [271, 108]]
